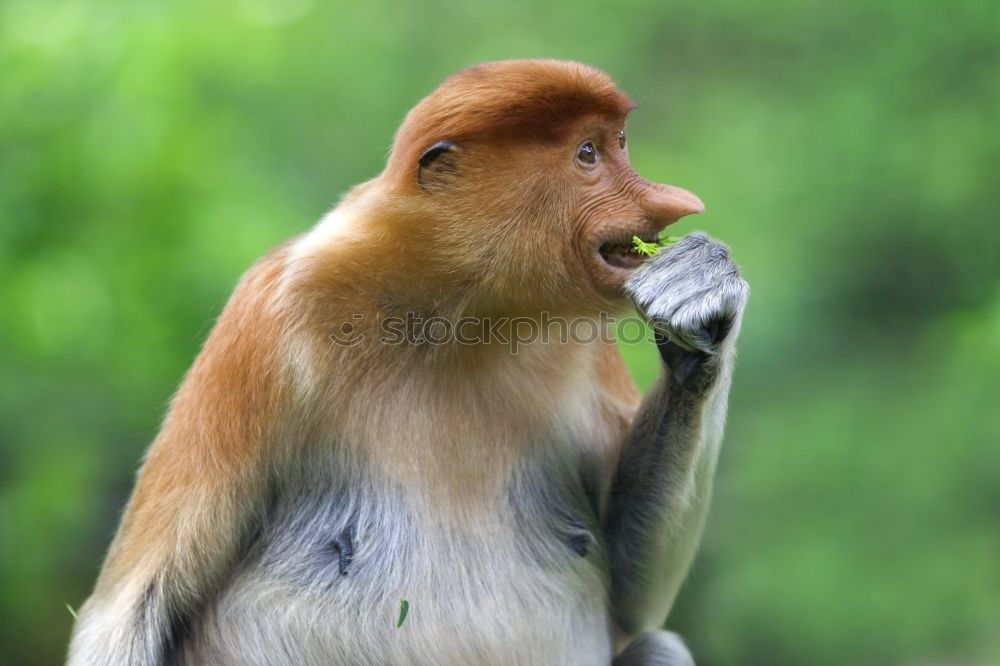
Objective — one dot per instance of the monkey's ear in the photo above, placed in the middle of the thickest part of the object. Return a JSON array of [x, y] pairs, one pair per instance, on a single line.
[[434, 152], [437, 166]]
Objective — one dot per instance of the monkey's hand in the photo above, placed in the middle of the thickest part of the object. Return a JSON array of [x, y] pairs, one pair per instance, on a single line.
[[694, 298]]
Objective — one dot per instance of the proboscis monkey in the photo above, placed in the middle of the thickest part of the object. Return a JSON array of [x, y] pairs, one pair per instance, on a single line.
[[315, 468]]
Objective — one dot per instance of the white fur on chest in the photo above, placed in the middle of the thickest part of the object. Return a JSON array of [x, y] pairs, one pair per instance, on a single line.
[[475, 596]]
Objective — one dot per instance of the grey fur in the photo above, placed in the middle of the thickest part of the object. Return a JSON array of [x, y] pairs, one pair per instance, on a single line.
[[693, 295], [690, 284], [655, 648]]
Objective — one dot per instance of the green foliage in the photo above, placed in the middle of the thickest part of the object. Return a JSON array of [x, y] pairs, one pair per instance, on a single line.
[[847, 152]]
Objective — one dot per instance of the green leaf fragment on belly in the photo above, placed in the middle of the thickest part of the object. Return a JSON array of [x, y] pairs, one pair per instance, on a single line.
[[404, 608]]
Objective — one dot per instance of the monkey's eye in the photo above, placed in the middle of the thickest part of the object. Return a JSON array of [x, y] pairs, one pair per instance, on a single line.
[[587, 153], [621, 139]]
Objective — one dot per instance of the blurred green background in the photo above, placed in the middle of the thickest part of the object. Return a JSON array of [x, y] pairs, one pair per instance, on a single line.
[[848, 152]]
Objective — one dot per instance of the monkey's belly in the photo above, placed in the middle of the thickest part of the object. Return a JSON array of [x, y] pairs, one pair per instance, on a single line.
[[325, 584]]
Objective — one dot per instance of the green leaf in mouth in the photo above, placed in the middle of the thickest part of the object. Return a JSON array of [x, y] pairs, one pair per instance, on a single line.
[[651, 249]]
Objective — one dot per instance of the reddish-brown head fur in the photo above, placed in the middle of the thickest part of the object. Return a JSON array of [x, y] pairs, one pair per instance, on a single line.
[[514, 100]]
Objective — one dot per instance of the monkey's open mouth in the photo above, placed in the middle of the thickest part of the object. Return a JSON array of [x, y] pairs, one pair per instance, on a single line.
[[620, 253]]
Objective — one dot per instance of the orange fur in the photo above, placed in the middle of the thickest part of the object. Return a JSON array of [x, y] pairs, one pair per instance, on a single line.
[[207, 464], [410, 251]]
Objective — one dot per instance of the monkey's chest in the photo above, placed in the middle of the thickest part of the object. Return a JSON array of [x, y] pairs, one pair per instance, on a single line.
[[330, 576]]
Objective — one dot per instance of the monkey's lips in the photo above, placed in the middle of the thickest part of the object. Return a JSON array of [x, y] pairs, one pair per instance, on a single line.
[[619, 254]]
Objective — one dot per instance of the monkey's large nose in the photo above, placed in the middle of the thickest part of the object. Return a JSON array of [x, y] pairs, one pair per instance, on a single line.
[[665, 204]]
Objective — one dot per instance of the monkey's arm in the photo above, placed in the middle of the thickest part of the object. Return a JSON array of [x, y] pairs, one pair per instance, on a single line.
[[197, 496], [694, 297]]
